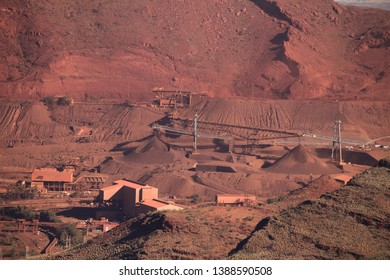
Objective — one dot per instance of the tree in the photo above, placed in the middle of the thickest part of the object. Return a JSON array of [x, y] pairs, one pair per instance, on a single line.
[[195, 198], [20, 212], [69, 230], [48, 216], [49, 101], [64, 101]]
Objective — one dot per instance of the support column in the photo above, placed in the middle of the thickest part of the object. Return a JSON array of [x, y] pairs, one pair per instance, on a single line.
[[195, 131]]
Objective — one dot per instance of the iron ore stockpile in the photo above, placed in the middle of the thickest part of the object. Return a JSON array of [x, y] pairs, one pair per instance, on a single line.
[[300, 161], [151, 151]]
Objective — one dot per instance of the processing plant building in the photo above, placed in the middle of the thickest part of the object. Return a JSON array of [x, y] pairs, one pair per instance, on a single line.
[[133, 198]]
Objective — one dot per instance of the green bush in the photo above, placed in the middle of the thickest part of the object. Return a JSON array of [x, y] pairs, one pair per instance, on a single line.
[[20, 212], [69, 230], [49, 101], [248, 218], [48, 216], [76, 194], [195, 198], [64, 101], [18, 192], [275, 199], [385, 162]]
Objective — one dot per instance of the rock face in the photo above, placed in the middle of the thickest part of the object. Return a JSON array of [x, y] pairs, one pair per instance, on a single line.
[[350, 223], [300, 49]]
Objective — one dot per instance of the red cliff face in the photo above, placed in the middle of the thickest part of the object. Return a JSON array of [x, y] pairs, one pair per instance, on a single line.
[[255, 49]]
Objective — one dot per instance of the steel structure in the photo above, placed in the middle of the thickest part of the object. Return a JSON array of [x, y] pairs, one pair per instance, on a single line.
[[226, 132], [336, 140], [195, 133], [252, 135]]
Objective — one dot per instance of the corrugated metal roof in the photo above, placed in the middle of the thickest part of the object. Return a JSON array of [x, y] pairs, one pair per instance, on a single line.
[[154, 203], [343, 177], [130, 184], [52, 175]]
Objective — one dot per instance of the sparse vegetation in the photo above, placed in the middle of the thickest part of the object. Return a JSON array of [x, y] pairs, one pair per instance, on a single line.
[[49, 101], [69, 231], [275, 199], [195, 198], [83, 140], [248, 218], [76, 194], [19, 192], [48, 216], [20, 212], [348, 223], [64, 101], [385, 162]]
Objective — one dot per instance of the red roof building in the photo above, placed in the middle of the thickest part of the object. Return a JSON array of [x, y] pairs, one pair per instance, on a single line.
[[343, 178], [156, 205], [134, 198], [52, 178]]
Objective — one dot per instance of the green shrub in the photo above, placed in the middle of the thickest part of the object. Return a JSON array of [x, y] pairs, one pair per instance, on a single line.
[[20, 212], [76, 194], [48, 216], [18, 192], [275, 199], [195, 198], [69, 230], [64, 101], [248, 218], [385, 162], [49, 101]]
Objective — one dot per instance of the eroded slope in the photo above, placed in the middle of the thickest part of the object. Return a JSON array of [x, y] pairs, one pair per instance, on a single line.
[[123, 49], [350, 223]]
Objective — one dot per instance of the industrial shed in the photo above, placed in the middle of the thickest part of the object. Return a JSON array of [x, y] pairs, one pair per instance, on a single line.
[[133, 198], [52, 179], [156, 205], [91, 180], [342, 178]]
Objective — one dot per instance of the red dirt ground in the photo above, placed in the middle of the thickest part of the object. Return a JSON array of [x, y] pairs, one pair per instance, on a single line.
[[302, 49]]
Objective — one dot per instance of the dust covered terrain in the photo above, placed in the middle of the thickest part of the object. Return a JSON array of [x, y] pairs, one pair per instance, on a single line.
[[302, 49], [76, 81], [349, 223]]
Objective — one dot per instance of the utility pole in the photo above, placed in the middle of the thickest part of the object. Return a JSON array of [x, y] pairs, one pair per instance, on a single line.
[[195, 131], [337, 140], [86, 234], [341, 152]]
